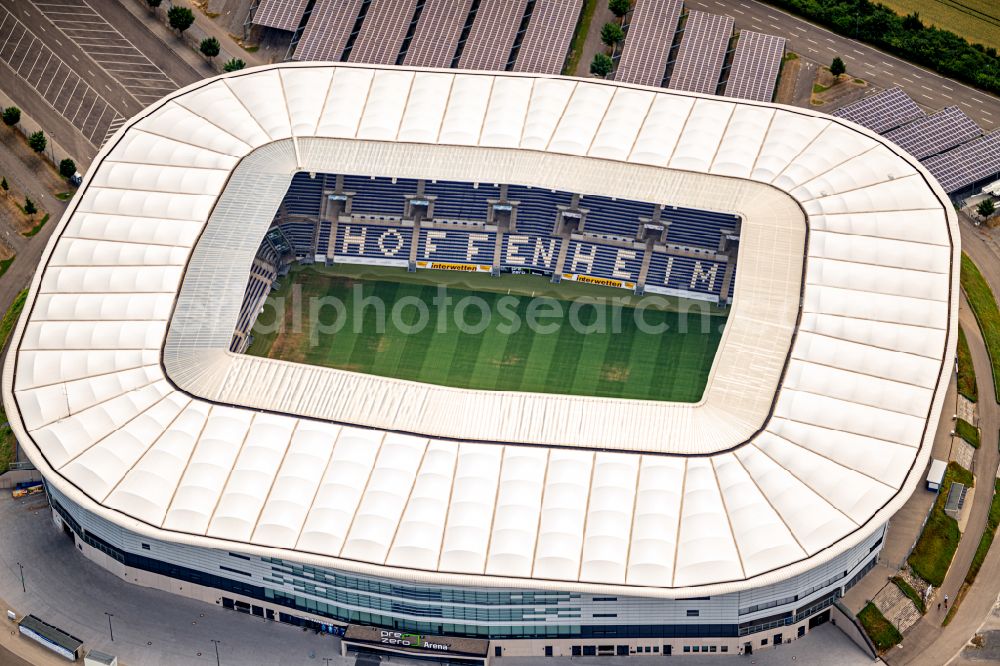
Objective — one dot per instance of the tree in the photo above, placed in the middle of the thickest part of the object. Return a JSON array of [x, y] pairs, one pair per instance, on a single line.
[[4, 186], [986, 208], [153, 4], [209, 47], [67, 168], [612, 34], [29, 207], [233, 64], [913, 22], [601, 65], [180, 18], [11, 116], [37, 141], [837, 67], [619, 7]]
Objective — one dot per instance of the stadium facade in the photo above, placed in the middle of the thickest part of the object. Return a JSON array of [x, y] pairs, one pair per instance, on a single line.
[[547, 524]]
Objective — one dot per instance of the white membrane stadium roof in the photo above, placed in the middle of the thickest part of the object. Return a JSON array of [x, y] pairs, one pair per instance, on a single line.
[[815, 426]]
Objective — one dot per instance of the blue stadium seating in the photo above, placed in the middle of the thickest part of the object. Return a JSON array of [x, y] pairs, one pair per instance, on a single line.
[[461, 201], [304, 195], [532, 246], [617, 217], [450, 245], [599, 260], [697, 228], [373, 241], [300, 235], [537, 208], [530, 251], [702, 276], [323, 242], [263, 273], [379, 196]]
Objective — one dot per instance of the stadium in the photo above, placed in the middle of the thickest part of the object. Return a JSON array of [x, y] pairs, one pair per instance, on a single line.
[[723, 509]]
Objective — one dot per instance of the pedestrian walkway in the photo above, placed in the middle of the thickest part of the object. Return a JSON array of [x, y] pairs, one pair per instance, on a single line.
[[928, 642]]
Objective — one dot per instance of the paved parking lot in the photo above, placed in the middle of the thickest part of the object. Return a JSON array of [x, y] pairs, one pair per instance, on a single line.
[[78, 20], [55, 80]]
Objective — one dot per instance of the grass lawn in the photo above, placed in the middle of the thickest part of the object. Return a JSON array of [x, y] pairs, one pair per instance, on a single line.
[[966, 371], [38, 227], [935, 549], [599, 357], [984, 306], [908, 590], [7, 440], [967, 431], [883, 634], [10, 317], [976, 20], [5, 264], [7, 443], [579, 37]]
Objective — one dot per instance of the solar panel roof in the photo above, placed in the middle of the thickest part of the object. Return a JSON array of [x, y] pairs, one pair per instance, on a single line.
[[702, 52], [328, 29], [755, 66], [492, 35], [647, 43], [547, 38], [971, 162], [936, 133], [883, 111], [437, 33], [280, 14], [383, 31]]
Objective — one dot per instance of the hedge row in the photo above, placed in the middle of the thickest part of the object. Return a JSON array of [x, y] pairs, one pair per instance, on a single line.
[[905, 36]]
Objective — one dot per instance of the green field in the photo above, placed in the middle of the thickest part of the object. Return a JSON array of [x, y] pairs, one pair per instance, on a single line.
[[574, 349], [976, 20]]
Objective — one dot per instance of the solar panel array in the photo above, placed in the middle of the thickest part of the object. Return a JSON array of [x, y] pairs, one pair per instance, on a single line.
[[547, 38], [702, 52], [328, 30], [970, 162], [438, 30], [647, 44], [935, 133], [383, 31], [755, 66], [280, 14], [882, 112], [492, 34]]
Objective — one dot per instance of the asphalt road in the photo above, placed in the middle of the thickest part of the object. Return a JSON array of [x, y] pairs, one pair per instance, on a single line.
[[80, 71], [928, 89]]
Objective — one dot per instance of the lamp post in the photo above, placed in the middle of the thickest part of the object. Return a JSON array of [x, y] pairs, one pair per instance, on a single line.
[[110, 630], [216, 651], [21, 567]]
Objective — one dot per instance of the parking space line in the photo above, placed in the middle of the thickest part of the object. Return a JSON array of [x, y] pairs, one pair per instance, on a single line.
[[32, 71], [52, 80], [91, 107], [38, 65], [14, 50], [73, 93], [24, 58]]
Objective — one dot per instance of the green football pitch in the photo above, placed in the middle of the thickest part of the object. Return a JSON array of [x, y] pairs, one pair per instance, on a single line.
[[513, 333]]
